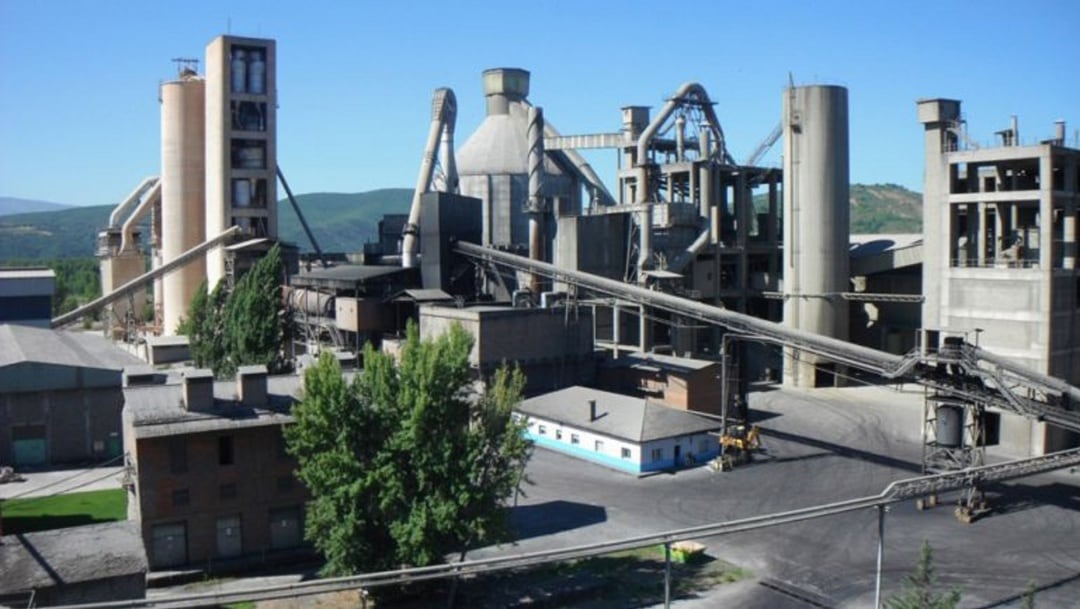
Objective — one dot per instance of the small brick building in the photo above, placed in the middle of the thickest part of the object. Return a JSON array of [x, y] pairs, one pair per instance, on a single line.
[[211, 484], [678, 382]]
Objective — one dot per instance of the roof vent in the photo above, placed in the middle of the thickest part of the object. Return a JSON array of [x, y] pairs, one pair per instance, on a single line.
[[198, 389], [251, 385], [592, 410]]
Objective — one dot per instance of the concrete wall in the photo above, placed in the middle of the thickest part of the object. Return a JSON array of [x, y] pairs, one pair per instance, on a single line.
[[258, 467], [102, 590], [78, 423]]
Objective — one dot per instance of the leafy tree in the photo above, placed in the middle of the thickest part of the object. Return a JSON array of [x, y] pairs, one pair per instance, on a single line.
[[919, 591], [245, 326], [407, 464]]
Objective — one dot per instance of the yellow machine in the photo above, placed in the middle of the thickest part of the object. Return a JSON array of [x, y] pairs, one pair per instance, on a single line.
[[737, 445]]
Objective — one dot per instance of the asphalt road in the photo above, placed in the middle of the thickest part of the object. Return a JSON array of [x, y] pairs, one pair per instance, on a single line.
[[822, 446]]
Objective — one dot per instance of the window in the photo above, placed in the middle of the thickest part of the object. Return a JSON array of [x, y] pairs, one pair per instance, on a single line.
[[543, 430], [599, 446], [227, 491], [225, 450], [625, 453], [575, 439], [558, 434], [181, 497], [285, 483], [282, 445], [178, 456], [657, 454]]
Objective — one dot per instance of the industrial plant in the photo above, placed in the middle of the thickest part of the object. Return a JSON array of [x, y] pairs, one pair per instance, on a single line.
[[643, 307]]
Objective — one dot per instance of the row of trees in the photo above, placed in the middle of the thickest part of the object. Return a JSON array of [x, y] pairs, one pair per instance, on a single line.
[[407, 463], [245, 326]]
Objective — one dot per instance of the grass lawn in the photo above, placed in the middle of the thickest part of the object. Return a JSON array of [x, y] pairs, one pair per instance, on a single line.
[[44, 513]]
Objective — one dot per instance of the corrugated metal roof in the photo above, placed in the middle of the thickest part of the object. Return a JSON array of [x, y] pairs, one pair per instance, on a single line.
[[72, 359], [618, 416], [72, 555], [28, 273]]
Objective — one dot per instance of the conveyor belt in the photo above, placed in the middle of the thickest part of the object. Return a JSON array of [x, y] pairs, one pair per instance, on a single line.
[[967, 373]]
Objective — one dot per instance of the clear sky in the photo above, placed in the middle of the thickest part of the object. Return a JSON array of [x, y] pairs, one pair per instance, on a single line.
[[79, 114]]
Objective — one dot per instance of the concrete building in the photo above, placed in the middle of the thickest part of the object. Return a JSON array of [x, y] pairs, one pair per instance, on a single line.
[[88, 564], [678, 382], [60, 396], [241, 150], [625, 433], [26, 296], [211, 483], [1000, 251], [553, 346]]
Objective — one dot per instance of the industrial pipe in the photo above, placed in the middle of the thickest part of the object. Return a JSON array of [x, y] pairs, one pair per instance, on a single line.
[[300, 215], [582, 168], [118, 213], [535, 205], [443, 116], [127, 239]]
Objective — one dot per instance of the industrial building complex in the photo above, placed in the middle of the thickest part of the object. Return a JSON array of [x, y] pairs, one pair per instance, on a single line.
[[640, 310]]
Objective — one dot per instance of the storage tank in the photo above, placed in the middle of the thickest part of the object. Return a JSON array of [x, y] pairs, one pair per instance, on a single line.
[[816, 209], [493, 163], [949, 428], [183, 169]]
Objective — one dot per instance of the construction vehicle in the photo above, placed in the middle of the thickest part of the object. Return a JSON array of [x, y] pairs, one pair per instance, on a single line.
[[737, 446]]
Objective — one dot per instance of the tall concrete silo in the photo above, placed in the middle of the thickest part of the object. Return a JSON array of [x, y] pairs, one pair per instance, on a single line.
[[183, 192], [816, 232], [493, 164]]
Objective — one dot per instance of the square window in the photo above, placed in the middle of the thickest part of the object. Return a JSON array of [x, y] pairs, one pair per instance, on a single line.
[[625, 453], [227, 491], [657, 454], [181, 497], [225, 450], [558, 434], [284, 483], [599, 446], [575, 439], [543, 430]]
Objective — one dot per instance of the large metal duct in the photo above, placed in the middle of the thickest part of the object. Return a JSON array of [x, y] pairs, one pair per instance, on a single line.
[[493, 163], [183, 192], [816, 209], [440, 144]]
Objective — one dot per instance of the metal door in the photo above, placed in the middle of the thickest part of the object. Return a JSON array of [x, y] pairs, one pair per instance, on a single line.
[[169, 545], [28, 442], [285, 529], [229, 537]]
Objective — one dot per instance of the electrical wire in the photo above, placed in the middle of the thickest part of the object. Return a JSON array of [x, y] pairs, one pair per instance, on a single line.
[[68, 479]]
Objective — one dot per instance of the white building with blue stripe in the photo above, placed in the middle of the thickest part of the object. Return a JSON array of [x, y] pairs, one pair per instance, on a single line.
[[626, 433]]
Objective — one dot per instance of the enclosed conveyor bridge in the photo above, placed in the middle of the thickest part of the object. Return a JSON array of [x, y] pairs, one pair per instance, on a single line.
[[957, 369]]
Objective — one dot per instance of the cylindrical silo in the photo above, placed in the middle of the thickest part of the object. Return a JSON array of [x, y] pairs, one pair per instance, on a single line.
[[183, 192], [816, 209]]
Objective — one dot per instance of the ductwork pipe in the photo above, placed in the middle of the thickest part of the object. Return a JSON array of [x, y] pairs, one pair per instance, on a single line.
[[117, 215], [535, 205], [128, 231], [443, 117]]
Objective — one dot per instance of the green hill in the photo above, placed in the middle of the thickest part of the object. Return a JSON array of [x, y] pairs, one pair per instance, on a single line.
[[344, 222], [341, 223]]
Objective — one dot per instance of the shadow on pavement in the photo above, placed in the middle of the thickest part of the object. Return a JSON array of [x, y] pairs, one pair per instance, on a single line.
[[1010, 498], [843, 451], [553, 517], [1010, 600]]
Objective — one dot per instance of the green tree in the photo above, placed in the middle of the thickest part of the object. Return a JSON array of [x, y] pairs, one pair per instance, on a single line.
[[918, 592], [407, 464], [245, 326], [1029, 596]]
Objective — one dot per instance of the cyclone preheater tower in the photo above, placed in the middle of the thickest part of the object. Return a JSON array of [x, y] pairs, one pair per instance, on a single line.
[[816, 231]]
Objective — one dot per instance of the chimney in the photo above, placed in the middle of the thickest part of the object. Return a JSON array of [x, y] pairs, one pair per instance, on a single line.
[[592, 410], [136, 376], [198, 389], [251, 386], [504, 85], [1059, 131]]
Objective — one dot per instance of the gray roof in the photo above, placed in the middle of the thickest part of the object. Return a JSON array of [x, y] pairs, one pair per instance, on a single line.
[[423, 295], [27, 352], [66, 556], [655, 361], [27, 273], [618, 416], [157, 410]]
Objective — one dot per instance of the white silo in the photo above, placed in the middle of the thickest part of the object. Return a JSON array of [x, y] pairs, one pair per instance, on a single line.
[[816, 232], [183, 174]]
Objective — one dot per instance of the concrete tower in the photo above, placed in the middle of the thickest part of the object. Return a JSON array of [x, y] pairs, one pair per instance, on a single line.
[[183, 193], [241, 149], [816, 232]]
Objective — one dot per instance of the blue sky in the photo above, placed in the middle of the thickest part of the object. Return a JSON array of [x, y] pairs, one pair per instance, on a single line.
[[79, 115]]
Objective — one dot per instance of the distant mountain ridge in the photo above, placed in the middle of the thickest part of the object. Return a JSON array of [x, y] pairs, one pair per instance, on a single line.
[[343, 222], [15, 205]]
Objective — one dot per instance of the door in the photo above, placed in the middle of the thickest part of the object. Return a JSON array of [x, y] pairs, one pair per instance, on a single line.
[[285, 529], [168, 545], [28, 442], [678, 453], [229, 537]]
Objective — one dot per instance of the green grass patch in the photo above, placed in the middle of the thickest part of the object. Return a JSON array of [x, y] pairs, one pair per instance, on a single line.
[[61, 511]]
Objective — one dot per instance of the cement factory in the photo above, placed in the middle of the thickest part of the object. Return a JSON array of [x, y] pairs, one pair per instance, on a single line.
[[710, 271]]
